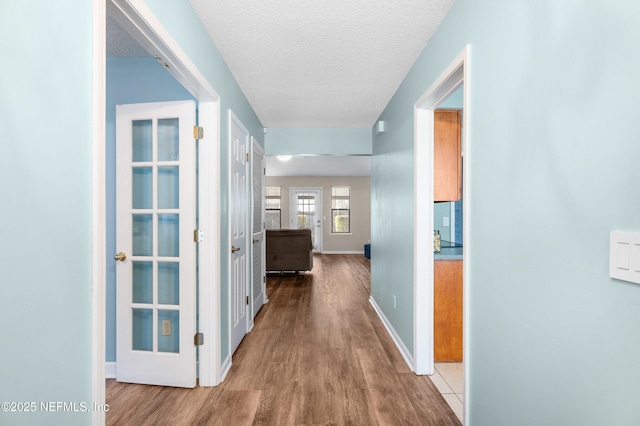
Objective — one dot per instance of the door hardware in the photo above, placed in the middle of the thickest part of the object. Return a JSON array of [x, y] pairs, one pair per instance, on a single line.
[[234, 249], [121, 257]]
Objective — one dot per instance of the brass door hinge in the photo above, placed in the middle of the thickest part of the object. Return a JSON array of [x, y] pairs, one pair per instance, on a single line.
[[198, 339], [247, 300], [198, 235], [246, 157], [198, 132]]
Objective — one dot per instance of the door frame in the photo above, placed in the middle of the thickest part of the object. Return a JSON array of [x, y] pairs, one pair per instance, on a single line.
[[321, 211], [136, 17], [247, 238], [454, 76]]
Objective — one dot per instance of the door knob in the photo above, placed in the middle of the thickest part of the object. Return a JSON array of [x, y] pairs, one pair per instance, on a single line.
[[234, 249], [120, 257]]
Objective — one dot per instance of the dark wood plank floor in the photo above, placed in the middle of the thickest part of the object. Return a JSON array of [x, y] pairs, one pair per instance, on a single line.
[[318, 354]]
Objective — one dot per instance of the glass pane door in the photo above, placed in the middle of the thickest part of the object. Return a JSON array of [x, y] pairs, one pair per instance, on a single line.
[[156, 259], [306, 212], [155, 213]]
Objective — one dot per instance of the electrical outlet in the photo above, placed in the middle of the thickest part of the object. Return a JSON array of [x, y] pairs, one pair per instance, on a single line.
[[445, 221], [166, 327], [394, 301]]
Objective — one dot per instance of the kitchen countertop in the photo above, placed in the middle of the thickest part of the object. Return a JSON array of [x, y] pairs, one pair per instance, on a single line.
[[448, 251]]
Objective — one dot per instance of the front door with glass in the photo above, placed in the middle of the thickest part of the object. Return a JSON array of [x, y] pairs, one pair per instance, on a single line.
[[306, 212]]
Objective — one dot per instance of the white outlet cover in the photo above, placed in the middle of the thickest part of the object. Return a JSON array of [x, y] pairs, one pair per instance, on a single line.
[[166, 327], [624, 256], [445, 221]]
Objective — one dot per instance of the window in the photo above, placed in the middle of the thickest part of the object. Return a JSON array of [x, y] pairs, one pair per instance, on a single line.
[[272, 214], [340, 209], [306, 210]]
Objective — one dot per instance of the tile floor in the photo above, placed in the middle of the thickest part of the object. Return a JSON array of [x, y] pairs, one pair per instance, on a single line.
[[449, 379]]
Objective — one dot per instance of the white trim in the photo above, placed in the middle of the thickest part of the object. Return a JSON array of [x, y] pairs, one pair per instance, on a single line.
[[139, 21], [111, 369], [404, 351], [225, 367], [99, 212], [344, 252], [209, 249], [456, 74]]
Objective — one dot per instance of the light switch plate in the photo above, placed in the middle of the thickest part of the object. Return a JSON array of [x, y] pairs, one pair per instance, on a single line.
[[624, 256]]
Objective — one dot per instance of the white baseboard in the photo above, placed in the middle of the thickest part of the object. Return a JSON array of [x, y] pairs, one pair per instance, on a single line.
[[408, 357], [110, 370], [226, 366], [344, 252]]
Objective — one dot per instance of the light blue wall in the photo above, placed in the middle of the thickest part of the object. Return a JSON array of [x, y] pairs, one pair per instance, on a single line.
[[180, 20], [45, 208], [455, 100], [554, 148], [129, 80], [318, 141]]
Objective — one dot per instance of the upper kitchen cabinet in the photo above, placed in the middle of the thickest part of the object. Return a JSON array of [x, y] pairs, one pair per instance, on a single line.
[[447, 155]]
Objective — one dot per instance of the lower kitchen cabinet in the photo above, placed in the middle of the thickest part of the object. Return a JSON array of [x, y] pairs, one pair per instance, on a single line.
[[447, 335]]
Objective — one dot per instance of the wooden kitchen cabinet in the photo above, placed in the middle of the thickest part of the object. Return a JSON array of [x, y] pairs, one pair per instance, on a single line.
[[447, 155], [447, 315]]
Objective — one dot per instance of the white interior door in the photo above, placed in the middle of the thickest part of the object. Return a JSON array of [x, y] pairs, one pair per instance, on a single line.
[[156, 263], [239, 218], [259, 275], [306, 212]]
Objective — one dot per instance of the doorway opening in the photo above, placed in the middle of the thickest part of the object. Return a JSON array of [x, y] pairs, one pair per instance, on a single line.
[[455, 76], [137, 19]]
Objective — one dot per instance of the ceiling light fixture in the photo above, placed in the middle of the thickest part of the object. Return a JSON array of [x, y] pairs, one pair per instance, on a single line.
[[284, 157]]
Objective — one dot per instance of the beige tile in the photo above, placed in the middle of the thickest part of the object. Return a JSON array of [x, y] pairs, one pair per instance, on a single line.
[[453, 374], [440, 383], [455, 404]]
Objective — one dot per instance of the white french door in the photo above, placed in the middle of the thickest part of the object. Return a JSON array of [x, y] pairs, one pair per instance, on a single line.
[[156, 263], [239, 224], [306, 212], [258, 164]]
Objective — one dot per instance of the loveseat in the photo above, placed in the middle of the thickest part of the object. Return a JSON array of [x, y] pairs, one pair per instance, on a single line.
[[289, 250]]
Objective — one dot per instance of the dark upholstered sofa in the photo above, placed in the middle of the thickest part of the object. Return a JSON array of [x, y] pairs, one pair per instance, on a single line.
[[289, 250]]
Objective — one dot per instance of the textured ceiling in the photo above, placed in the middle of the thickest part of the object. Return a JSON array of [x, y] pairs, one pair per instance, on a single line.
[[330, 63], [120, 43], [303, 63]]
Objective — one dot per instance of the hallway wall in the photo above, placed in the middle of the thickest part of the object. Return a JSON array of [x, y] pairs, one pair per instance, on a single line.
[[552, 147], [46, 208]]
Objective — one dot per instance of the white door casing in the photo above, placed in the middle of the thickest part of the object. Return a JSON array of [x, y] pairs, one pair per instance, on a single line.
[[258, 285], [454, 76], [239, 229], [155, 219], [306, 212]]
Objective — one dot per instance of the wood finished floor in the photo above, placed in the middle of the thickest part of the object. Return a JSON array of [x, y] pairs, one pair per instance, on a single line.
[[318, 354]]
